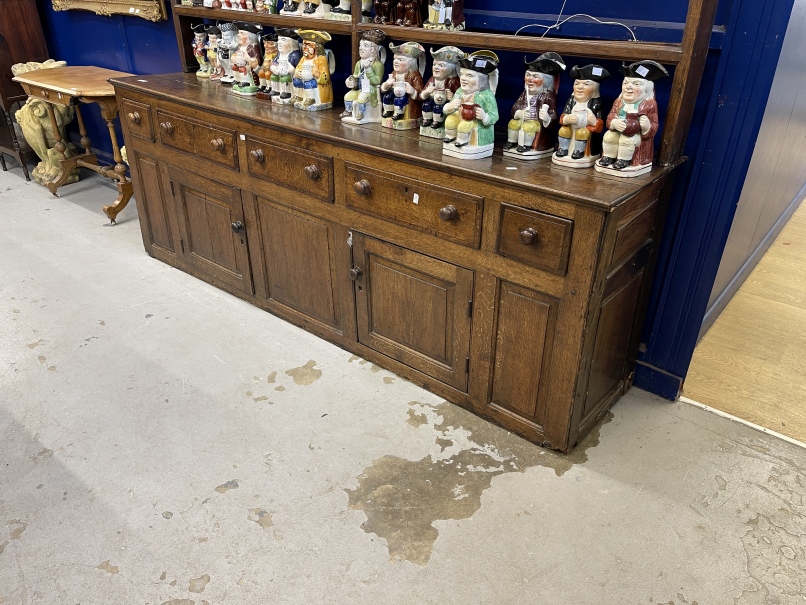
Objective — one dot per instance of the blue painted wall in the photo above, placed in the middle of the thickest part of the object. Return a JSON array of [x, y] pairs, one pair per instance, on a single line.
[[745, 46]]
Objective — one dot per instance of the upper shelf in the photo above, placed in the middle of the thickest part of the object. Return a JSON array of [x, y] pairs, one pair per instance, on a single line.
[[329, 25], [669, 54]]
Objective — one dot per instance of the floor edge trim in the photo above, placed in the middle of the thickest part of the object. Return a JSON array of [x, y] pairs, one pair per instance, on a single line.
[[747, 423]]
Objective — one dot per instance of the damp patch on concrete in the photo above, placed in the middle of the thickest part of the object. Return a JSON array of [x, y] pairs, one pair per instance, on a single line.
[[16, 528], [225, 487], [36, 344], [179, 602], [279, 389], [167, 514], [403, 498], [261, 517], [109, 568], [272, 378], [3, 546], [305, 375], [198, 585], [43, 455], [388, 379]]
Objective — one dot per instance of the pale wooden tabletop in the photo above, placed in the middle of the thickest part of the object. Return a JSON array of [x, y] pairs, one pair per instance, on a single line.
[[76, 80]]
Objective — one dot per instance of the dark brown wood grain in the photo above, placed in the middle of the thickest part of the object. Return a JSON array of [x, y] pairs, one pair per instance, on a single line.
[[687, 78]]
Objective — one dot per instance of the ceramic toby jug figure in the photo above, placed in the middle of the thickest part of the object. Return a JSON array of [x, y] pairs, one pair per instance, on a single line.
[[313, 88], [200, 47], [246, 58], [292, 7], [532, 131], [264, 72], [362, 103], [384, 12], [581, 121], [440, 88], [401, 90], [473, 111], [213, 35], [227, 45], [628, 145], [446, 14], [283, 65]]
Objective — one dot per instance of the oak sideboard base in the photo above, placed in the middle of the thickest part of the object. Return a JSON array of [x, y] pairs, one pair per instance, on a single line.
[[514, 289]]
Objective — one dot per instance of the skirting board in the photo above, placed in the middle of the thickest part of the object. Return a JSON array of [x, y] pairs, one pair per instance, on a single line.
[[747, 423]]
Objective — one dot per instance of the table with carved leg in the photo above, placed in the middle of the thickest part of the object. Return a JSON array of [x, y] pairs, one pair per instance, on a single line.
[[74, 85]]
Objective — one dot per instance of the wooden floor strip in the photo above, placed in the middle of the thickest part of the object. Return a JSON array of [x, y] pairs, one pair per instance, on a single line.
[[752, 362]]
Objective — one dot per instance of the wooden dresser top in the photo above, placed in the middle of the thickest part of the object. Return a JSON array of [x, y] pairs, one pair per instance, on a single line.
[[541, 176]]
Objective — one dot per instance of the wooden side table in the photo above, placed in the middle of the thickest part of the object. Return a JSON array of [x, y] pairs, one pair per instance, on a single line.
[[70, 86]]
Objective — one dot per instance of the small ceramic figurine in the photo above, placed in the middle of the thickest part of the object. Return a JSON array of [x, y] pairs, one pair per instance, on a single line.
[[362, 103], [473, 111], [213, 34], [343, 11], [581, 120], [200, 47], [264, 73], [532, 131], [283, 65], [446, 14], [384, 11], [313, 88], [246, 58], [315, 8], [292, 7], [439, 89], [628, 145], [408, 13], [401, 90], [227, 45]]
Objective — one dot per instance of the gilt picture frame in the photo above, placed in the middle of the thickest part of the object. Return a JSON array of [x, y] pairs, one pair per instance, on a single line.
[[152, 10]]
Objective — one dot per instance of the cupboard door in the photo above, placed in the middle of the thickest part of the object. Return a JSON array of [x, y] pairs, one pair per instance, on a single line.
[[156, 209], [413, 308], [298, 261], [212, 226], [522, 350]]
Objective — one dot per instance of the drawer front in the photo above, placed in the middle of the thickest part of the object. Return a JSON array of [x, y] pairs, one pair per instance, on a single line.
[[443, 212], [535, 238], [57, 98], [138, 118], [298, 169], [216, 145], [176, 132]]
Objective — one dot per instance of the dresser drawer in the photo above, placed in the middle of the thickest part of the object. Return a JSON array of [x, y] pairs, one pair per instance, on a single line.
[[216, 145], [535, 238], [202, 140], [302, 170], [138, 117], [446, 213]]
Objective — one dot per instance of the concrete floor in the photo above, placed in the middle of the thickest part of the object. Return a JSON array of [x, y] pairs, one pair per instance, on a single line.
[[165, 443]]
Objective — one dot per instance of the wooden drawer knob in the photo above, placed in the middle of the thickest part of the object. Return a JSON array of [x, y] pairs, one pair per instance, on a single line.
[[217, 144], [528, 236], [134, 117], [363, 187], [356, 273], [237, 227], [312, 172], [167, 127], [448, 213], [257, 155]]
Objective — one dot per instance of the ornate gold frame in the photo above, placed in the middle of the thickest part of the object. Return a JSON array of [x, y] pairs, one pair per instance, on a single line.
[[153, 10]]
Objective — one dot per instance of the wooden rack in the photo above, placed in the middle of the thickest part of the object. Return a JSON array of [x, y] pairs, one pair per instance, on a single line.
[[688, 57]]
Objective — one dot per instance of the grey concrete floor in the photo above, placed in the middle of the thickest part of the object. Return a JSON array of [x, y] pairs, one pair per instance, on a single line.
[[162, 442]]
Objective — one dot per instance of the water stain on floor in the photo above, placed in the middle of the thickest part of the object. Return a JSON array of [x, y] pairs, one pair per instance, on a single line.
[[272, 378], [306, 374], [198, 585], [179, 602], [225, 487], [261, 517], [109, 568], [16, 528], [403, 498]]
